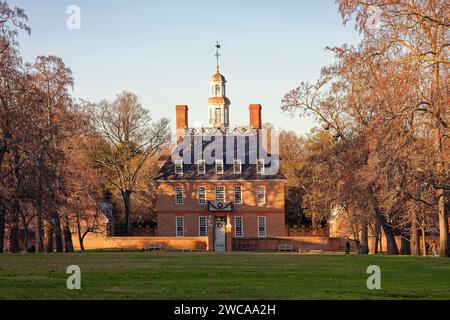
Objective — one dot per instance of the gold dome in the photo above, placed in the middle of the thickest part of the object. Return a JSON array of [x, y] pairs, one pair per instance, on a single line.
[[217, 76]]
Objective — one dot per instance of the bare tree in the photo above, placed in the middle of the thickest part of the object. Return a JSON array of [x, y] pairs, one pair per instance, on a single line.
[[415, 34], [129, 139]]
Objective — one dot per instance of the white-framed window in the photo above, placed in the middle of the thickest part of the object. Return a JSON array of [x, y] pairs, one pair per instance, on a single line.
[[218, 115], [261, 227], [220, 194], [178, 166], [237, 195], [219, 166], [211, 115], [202, 229], [179, 195], [260, 166], [180, 226], [238, 226], [201, 166], [202, 195], [261, 195], [237, 166], [225, 115]]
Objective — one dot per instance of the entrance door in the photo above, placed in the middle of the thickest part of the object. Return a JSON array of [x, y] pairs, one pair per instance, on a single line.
[[219, 236]]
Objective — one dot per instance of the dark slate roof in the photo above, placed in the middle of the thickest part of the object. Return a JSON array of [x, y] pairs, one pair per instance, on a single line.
[[190, 171]]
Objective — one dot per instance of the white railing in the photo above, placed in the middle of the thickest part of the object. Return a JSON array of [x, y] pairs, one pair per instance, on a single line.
[[244, 130]]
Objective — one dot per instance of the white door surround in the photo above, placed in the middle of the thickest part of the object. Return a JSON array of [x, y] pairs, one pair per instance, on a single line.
[[219, 235]]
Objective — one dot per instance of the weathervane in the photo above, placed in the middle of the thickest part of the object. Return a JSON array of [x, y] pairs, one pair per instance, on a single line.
[[217, 55]]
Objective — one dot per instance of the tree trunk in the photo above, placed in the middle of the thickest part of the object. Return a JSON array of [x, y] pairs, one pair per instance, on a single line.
[[392, 248], [405, 248], [57, 230], [14, 233], [50, 237], [440, 108], [377, 237], [2, 229], [68, 238], [381, 242], [443, 226], [14, 236], [81, 239], [415, 237], [364, 238], [39, 234], [424, 243], [25, 237], [126, 195]]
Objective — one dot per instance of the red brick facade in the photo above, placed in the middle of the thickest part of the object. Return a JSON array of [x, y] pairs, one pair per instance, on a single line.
[[257, 219], [249, 210]]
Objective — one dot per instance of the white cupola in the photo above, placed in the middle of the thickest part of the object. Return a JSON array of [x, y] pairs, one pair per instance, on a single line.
[[218, 103]]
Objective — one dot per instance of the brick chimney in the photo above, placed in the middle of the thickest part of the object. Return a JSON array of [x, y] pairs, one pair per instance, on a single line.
[[255, 116], [182, 120]]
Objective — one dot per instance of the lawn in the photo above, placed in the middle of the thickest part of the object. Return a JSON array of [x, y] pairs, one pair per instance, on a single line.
[[146, 275]]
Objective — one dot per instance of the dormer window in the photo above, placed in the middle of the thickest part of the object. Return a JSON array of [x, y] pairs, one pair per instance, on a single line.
[[201, 166], [178, 166], [219, 166], [237, 165], [260, 166]]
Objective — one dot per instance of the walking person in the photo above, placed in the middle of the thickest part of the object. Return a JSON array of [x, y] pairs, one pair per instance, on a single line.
[[347, 247], [434, 249]]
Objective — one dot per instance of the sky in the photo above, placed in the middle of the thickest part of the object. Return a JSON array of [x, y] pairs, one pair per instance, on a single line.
[[163, 50]]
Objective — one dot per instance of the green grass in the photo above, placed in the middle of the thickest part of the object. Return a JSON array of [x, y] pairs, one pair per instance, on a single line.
[[221, 276]]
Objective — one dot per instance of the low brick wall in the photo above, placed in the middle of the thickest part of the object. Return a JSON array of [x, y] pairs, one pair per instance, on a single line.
[[307, 232], [94, 241], [298, 243], [98, 241]]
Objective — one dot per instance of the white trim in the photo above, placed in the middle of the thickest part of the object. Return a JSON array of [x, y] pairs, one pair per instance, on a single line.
[[176, 225], [235, 226], [265, 226]]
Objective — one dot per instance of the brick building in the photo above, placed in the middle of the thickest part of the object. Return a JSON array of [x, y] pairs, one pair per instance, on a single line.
[[220, 182]]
